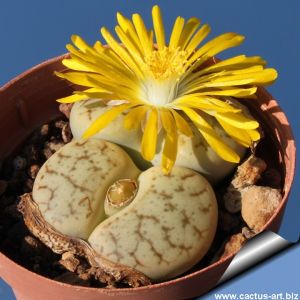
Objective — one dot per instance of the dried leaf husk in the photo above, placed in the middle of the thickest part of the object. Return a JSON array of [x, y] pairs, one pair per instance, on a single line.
[[96, 266]]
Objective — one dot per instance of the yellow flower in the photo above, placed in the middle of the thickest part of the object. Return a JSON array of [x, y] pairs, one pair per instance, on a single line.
[[167, 86]]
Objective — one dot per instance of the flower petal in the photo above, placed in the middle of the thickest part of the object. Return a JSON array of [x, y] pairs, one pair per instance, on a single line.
[[171, 141], [237, 120], [203, 103], [94, 93], [71, 99], [98, 47], [233, 63], [80, 43], [106, 118], [129, 29], [239, 135], [129, 44], [176, 32], [122, 92], [215, 46], [134, 117], [158, 27], [79, 78], [142, 33], [254, 134], [188, 30], [149, 139], [233, 92], [76, 65], [182, 124], [197, 39], [222, 149], [122, 53]]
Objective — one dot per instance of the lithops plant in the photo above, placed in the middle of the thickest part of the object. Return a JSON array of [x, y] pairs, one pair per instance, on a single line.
[[159, 224], [193, 152], [71, 186], [84, 113], [167, 228]]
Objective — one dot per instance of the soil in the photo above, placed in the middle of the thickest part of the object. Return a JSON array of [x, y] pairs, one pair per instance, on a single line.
[[17, 174]]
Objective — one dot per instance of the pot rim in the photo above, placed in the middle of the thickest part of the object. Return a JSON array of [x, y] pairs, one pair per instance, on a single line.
[[227, 259]]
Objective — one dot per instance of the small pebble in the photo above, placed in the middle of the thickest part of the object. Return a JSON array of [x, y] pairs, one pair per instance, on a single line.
[[232, 200], [47, 153], [31, 246], [33, 171], [19, 163], [234, 244], [44, 130], [65, 108], [249, 172], [258, 205], [54, 145], [66, 133], [248, 233], [69, 261], [60, 124], [31, 153]]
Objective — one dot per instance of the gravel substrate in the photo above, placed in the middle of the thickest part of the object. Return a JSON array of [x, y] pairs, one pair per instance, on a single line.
[[17, 175]]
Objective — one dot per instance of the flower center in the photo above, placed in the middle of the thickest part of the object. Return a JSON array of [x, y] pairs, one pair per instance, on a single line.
[[163, 68]]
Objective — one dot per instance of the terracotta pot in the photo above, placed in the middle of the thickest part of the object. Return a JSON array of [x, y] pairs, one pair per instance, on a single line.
[[29, 100]]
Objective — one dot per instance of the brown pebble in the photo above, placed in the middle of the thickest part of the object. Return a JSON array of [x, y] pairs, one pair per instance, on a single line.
[[31, 246], [44, 130], [84, 276], [47, 153], [232, 200], [54, 145], [3, 186], [248, 233], [19, 163], [249, 172], [65, 108], [60, 124], [66, 133], [31, 154], [33, 171], [234, 244], [258, 205], [69, 261]]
